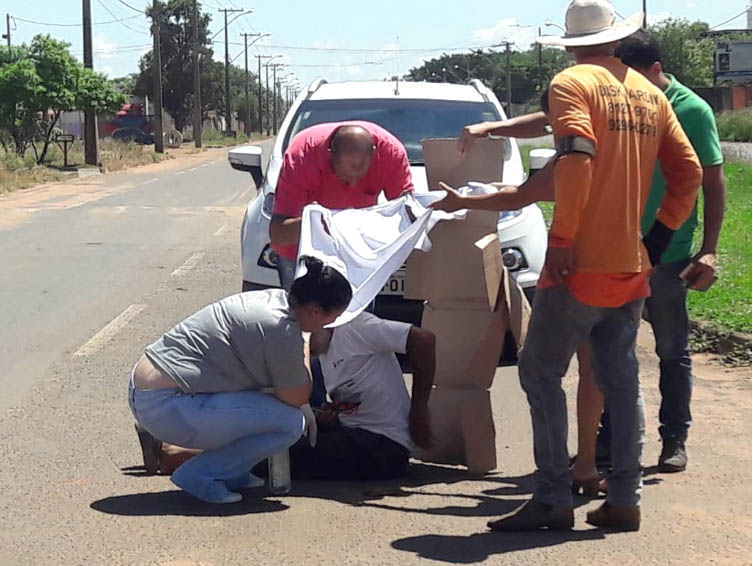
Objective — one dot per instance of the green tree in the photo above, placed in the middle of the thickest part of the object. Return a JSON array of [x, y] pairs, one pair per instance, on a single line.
[[686, 53], [43, 82], [176, 36]]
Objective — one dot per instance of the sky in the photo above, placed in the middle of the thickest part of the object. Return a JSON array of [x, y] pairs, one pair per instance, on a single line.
[[335, 39]]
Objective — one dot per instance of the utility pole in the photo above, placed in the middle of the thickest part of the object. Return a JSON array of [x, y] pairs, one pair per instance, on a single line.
[[258, 77], [7, 36], [541, 66], [248, 100], [275, 87], [197, 125], [227, 70], [157, 71], [91, 141], [645, 16], [266, 93]]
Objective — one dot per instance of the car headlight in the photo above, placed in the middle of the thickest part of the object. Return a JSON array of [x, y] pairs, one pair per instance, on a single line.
[[268, 258], [513, 259], [506, 215], [268, 205]]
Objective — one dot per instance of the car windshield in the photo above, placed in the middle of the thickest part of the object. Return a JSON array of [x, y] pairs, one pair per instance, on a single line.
[[409, 120]]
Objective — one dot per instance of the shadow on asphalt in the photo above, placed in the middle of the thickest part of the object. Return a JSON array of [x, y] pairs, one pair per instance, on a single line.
[[179, 503], [478, 547]]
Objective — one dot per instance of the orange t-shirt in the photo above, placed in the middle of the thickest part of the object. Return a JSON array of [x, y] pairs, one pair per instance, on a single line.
[[599, 201]]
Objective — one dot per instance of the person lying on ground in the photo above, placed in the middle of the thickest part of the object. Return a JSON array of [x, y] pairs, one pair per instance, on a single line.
[[370, 426]]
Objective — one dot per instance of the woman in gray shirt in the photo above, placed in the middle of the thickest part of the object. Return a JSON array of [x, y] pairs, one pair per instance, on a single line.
[[201, 385]]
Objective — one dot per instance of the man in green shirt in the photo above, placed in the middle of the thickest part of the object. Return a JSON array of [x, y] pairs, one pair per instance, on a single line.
[[679, 270]]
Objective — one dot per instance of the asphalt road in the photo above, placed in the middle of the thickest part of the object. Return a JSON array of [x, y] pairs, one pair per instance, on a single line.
[[74, 256], [72, 491]]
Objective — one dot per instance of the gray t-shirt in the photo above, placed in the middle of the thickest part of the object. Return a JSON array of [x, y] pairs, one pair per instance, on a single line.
[[245, 341]]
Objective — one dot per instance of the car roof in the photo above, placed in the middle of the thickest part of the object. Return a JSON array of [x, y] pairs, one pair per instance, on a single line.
[[405, 90]]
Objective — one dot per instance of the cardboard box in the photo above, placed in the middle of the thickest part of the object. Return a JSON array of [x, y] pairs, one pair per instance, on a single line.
[[456, 270], [469, 342], [463, 426], [484, 162], [518, 307]]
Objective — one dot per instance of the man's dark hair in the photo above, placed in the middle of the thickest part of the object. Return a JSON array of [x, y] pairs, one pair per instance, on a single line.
[[640, 50], [322, 285]]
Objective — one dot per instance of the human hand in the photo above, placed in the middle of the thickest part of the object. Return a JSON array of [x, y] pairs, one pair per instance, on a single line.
[[469, 134], [701, 272], [326, 417], [311, 426], [559, 263], [420, 427], [452, 202]]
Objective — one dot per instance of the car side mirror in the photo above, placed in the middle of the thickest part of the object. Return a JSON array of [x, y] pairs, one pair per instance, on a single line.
[[538, 158], [247, 158]]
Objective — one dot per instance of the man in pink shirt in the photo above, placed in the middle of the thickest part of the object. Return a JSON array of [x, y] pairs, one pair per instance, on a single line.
[[338, 165]]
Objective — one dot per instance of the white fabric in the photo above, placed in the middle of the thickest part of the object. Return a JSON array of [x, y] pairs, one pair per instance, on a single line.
[[360, 367], [367, 245], [311, 427]]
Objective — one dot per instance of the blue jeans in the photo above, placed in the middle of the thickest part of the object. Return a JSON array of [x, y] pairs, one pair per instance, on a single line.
[[286, 272], [234, 430], [667, 312], [558, 324]]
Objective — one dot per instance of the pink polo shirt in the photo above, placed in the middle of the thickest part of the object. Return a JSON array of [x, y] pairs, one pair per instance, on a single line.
[[307, 176]]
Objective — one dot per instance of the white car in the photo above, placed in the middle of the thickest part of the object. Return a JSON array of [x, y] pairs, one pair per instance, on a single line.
[[412, 111]]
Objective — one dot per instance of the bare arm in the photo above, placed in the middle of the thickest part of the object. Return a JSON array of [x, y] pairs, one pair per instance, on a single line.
[[538, 188], [294, 396], [421, 351], [714, 201], [526, 126], [284, 230], [703, 269]]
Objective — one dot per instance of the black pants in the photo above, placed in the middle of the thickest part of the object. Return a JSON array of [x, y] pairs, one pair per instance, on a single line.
[[346, 453]]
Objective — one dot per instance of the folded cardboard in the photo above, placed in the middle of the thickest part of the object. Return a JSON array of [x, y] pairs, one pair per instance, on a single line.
[[484, 161], [518, 307], [469, 342], [456, 269], [463, 426]]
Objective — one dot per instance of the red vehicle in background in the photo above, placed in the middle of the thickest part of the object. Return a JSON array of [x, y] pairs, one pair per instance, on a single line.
[[130, 116]]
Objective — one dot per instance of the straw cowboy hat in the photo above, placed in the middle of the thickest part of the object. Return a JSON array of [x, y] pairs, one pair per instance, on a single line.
[[592, 22]]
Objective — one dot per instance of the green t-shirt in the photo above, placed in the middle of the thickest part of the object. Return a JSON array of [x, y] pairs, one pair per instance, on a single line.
[[697, 119]]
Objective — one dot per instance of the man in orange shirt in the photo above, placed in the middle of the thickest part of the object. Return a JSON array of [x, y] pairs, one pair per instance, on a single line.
[[610, 125]]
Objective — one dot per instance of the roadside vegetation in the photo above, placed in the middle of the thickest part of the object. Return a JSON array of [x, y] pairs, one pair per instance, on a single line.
[[735, 125], [217, 139], [726, 307], [23, 172]]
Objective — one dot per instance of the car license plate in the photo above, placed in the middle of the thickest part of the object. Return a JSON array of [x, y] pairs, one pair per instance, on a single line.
[[395, 286]]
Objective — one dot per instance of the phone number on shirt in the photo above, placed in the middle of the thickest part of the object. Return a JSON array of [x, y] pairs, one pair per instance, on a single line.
[[641, 128]]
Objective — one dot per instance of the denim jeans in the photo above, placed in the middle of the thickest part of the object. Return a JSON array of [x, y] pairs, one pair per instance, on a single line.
[[235, 431], [286, 272], [667, 312], [558, 324]]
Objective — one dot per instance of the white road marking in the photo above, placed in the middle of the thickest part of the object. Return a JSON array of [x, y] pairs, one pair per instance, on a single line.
[[188, 265], [180, 172], [193, 169], [108, 332], [221, 229], [205, 165], [150, 181]]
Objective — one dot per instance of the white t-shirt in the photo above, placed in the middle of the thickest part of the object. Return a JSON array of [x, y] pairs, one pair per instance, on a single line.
[[360, 367]]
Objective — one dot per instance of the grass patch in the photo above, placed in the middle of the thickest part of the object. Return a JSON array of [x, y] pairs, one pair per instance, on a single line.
[[734, 125], [727, 305], [22, 172], [217, 139]]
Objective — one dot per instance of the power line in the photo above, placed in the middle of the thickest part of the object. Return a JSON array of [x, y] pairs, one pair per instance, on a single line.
[[127, 5], [73, 25], [386, 51], [227, 24], [731, 19], [125, 25]]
